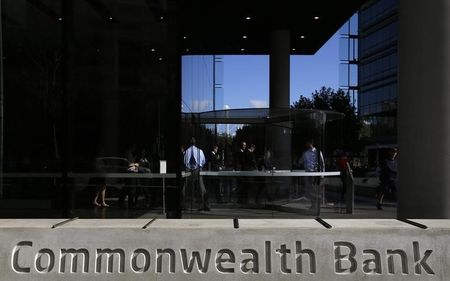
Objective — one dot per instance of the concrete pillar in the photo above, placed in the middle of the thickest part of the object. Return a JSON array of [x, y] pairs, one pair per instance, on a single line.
[[279, 138], [424, 109], [280, 42]]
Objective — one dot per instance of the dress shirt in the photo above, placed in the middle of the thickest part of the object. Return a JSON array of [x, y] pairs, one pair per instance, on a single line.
[[198, 155]]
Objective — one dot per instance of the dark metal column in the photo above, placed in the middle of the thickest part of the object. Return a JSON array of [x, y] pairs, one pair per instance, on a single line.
[[173, 116], [424, 109], [67, 30]]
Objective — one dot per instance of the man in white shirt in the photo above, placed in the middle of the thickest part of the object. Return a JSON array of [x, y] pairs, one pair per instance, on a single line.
[[194, 160], [312, 161]]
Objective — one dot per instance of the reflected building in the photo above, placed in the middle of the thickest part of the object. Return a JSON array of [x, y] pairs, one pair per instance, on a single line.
[[377, 70], [202, 83]]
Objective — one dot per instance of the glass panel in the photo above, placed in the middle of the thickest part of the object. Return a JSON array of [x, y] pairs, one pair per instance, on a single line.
[[91, 94], [257, 169], [94, 115]]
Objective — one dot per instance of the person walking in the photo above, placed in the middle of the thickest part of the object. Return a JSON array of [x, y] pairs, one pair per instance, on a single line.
[[388, 177], [312, 161]]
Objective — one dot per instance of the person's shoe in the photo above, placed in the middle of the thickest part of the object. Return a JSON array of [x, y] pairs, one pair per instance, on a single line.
[[379, 207], [105, 205], [96, 204]]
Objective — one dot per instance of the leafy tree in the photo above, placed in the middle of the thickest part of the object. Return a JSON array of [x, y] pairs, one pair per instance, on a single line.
[[304, 103], [338, 101]]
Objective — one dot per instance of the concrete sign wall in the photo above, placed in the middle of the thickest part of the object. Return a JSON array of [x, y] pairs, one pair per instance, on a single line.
[[214, 250]]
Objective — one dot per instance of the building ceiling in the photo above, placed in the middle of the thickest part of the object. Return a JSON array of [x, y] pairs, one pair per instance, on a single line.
[[229, 26], [244, 26]]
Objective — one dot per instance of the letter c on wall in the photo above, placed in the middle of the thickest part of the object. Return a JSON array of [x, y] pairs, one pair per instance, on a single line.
[[15, 257]]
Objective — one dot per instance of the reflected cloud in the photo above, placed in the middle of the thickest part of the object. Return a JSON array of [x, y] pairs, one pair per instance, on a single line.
[[201, 105], [258, 103]]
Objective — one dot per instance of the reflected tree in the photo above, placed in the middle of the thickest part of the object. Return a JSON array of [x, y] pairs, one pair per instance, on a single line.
[[338, 101]]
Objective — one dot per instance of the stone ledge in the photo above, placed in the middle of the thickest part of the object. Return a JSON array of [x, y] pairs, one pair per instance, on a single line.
[[223, 223], [269, 249]]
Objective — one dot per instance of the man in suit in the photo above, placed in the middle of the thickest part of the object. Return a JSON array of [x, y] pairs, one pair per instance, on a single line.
[[215, 164], [239, 157], [240, 166]]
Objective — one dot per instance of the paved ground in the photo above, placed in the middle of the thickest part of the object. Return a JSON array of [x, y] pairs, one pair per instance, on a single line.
[[298, 210], [364, 208], [294, 208]]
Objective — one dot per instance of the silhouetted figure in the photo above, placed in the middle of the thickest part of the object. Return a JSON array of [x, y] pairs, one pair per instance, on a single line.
[[239, 163], [100, 193], [215, 183], [99, 198], [238, 159], [262, 187], [129, 190], [342, 164], [144, 166], [388, 177], [312, 161]]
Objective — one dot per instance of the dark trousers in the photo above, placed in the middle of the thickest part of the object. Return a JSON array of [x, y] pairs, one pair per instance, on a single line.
[[243, 185], [262, 191], [197, 187], [215, 187], [129, 190]]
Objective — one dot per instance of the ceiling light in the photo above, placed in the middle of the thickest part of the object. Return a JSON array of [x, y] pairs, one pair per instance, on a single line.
[[316, 18], [60, 19], [242, 50], [160, 58], [248, 18], [293, 49], [161, 17], [153, 49], [110, 18], [184, 37], [244, 36], [302, 36], [187, 50]]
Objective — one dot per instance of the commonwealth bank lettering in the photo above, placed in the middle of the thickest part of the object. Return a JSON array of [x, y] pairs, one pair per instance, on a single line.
[[285, 258]]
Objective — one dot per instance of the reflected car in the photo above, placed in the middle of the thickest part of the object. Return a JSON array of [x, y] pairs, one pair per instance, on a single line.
[[112, 165]]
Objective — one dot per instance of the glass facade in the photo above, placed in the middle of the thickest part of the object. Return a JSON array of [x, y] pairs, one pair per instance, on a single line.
[[244, 171], [102, 99], [89, 87], [378, 66]]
